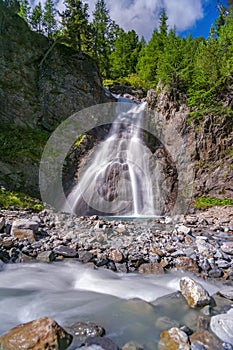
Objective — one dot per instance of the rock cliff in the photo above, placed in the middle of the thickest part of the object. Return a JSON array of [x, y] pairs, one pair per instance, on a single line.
[[208, 142], [41, 84]]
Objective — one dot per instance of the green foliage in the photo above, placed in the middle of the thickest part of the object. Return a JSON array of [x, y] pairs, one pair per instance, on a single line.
[[37, 17], [18, 200], [101, 46], [206, 202], [24, 10], [49, 22], [19, 143], [75, 24], [125, 55]]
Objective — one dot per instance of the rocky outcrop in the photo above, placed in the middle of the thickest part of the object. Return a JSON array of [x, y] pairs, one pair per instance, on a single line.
[[41, 84], [207, 142]]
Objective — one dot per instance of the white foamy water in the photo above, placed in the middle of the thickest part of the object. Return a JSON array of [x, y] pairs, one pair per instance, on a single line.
[[128, 306], [117, 180]]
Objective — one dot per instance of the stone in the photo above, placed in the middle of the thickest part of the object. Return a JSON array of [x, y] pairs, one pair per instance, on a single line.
[[65, 251], [7, 243], [184, 229], [226, 293], [23, 234], [86, 329], [121, 228], [227, 247], [25, 224], [105, 343], [197, 346], [85, 256], [184, 262], [116, 256], [151, 268], [47, 256], [194, 293], [43, 333], [132, 346], [215, 272], [174, 339], [2, 223], [206, 339], [222, 326]]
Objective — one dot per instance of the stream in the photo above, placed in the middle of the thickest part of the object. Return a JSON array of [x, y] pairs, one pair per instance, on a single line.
[[131, 307]]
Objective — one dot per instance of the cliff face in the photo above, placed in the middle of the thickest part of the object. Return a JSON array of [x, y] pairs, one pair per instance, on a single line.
[[208, 143], [41, 84]]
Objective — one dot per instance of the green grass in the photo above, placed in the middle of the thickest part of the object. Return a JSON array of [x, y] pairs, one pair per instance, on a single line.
[[206, 202], [9, 200]]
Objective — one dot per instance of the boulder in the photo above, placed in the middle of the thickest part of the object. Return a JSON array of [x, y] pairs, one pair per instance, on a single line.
[[222, 326], [174, 339], [194, 293], [206, 339], [86, 329], [40, 334]]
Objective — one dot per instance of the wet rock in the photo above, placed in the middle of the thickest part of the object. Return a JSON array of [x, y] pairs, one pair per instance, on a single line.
[[206, 339], [85, 256], [194, 293], [105, 343], [197, 346], [132, 346], [222, 326], [46, 256], [43, 333], [86, 329], [175, 339], [164, 323], [226, 293], [151, 268], [65, 251]]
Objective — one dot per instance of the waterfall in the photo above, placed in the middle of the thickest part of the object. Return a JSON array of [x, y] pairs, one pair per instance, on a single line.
[[116, 179]]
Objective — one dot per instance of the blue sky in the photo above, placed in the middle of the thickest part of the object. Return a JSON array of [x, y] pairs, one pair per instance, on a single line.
[[188, 16], [202, 26]]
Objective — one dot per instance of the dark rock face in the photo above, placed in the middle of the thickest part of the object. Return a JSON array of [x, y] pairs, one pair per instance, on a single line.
[[208, 142], [41, 84]]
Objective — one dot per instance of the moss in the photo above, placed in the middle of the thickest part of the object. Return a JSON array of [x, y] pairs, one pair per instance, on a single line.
[[79, 140], [18, 143], [18, 200], [206, 202]]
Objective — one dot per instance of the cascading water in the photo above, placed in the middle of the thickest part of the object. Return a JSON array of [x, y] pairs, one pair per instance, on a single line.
[[116, 180]]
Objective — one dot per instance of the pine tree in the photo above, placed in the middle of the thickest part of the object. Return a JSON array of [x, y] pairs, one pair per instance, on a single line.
[[49, 22], [75, 23], [101, 40], [36, 18], [125, 56], [24, 10], [148, 61]]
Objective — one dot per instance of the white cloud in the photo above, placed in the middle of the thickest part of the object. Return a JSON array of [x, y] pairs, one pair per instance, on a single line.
[[143, 15]]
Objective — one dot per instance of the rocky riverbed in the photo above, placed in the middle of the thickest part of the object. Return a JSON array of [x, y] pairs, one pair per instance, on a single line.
[[200, 243]]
